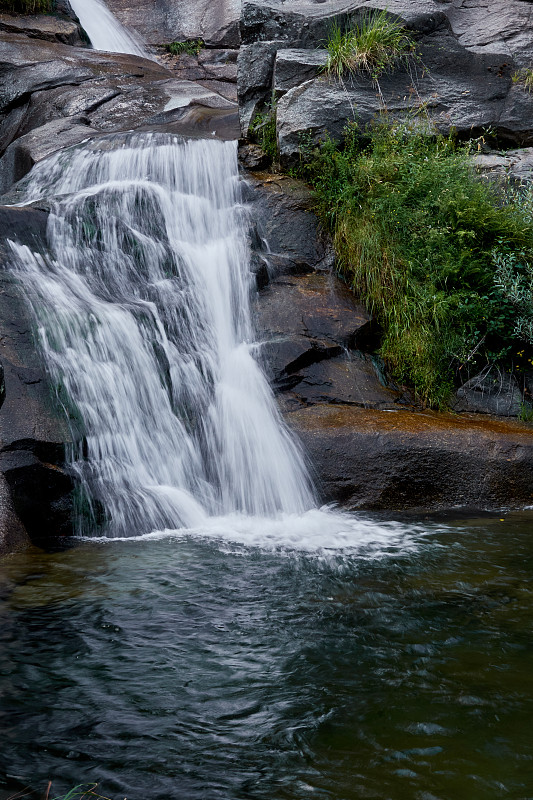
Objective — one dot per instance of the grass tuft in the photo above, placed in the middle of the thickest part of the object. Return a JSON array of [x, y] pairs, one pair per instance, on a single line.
[[376, 45], [191, 47], [26, 6], [525, 77], [421, 240]]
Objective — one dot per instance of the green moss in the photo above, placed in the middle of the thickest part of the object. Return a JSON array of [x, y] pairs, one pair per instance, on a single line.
[[416, 232]]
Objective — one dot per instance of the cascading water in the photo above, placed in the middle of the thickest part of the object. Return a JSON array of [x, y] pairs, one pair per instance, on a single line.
[[144, 314], [104, 30]]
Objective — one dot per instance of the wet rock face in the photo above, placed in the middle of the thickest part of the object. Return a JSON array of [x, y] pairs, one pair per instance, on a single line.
[[397, 460], [54, 96], [33, 433], [217, 23], [312, 332], [43, 26]]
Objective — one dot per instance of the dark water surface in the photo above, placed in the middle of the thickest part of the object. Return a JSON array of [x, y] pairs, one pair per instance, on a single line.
[[191, 669]]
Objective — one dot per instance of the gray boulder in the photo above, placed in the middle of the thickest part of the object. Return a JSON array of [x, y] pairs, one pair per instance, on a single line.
[[294, 66], [502, 26], [462, 90], [305, 319], [255, 67], [43, 26], [491, 392], [281, 209], [306, 23], [510, 166]]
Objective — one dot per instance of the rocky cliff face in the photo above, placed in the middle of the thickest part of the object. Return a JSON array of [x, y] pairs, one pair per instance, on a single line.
[[469, 53]]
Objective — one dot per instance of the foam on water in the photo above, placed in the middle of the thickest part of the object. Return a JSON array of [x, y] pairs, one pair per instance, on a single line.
[[320, 532]]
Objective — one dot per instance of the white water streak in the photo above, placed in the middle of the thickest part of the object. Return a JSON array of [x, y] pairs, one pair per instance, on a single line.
[[144, 315], [104, 30]]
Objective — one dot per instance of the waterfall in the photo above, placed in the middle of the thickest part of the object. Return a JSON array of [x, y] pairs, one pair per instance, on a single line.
[[143, 310], [104, 30]]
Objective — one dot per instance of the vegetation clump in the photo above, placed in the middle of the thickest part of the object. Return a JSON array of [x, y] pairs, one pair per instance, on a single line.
[[27, 6], [432, 251], [191, 47], [375, 45], [263, 131], [525, 77]]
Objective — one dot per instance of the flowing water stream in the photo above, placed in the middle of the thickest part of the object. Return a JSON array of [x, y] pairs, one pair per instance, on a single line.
[[104, 30], [214, 634], [144, 313]]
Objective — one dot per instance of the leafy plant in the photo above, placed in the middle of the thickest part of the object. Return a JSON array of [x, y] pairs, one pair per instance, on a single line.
[[514, 278], [191, 47], [27, 6], [263, 130], [415, 231], [375, 45]]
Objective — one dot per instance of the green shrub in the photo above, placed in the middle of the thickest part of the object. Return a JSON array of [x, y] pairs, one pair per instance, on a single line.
[[375, 45], [514, 278], [191, 47], [415, 232]]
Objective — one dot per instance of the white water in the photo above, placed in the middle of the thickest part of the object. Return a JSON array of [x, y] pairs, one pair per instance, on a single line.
[[144, 313], [104, 30]]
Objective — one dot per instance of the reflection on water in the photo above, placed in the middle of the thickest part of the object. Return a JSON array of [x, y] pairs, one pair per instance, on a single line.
[[188, 668]]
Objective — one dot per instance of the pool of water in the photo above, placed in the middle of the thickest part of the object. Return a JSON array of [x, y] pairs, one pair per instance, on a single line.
[[194, 667]]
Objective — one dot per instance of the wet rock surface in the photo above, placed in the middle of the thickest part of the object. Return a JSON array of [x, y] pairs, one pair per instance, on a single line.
[[33, 432], [176, 20], [312, 330], [365, 458], [43, 26], [82, 93]]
